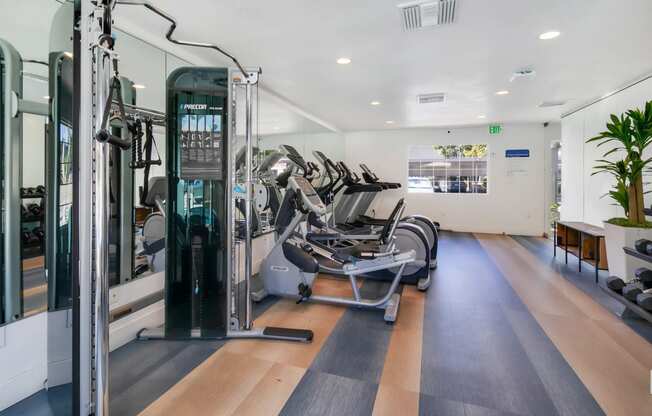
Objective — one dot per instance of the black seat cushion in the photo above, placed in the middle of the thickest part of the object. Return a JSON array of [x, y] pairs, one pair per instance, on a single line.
[[304, 261]]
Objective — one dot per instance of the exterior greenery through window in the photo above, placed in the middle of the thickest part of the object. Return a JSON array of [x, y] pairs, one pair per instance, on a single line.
[[459, 169]]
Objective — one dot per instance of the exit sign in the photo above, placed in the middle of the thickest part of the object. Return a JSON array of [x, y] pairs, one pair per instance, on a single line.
[[495, 129]]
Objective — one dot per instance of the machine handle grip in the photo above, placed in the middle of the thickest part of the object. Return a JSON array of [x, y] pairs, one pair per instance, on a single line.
[[103, 136]]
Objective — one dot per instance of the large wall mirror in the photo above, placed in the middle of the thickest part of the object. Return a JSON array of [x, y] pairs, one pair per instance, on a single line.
[[37, 168], [36, 124]]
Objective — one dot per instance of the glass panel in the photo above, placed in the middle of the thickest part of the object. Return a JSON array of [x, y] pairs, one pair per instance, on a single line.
[[196, 263], [62, 198]]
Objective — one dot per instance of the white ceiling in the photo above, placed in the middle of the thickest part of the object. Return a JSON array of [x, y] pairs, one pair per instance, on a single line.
[[604, 43]]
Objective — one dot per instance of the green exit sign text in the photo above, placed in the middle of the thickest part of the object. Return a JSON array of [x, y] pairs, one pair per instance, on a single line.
[[495, 129]]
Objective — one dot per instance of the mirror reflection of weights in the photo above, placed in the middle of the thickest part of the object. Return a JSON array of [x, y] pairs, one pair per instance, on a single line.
[[32, 219]]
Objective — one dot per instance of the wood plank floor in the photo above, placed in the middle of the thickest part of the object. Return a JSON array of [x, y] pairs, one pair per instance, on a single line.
[[611, 360], [505, 329], [500, 332]]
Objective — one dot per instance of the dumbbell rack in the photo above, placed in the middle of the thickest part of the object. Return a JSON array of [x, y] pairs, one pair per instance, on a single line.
[[32, 250], [631, 308]]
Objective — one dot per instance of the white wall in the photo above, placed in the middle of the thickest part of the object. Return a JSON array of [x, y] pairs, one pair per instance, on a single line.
[[514, 203], [23, 358], [582, 193]]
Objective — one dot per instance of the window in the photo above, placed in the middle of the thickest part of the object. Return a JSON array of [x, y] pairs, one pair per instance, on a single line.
[[452, 169]]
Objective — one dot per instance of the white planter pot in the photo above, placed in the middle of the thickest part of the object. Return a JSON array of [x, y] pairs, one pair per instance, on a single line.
[[617, 237]]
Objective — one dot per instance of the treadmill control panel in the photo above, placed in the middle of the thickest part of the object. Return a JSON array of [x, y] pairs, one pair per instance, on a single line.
[[309, 196]]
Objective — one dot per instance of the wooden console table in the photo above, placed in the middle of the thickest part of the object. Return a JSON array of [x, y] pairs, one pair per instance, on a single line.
[[584, 241]]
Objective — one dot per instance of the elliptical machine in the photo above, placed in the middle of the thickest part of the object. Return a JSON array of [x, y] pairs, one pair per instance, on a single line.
[[290, 268]]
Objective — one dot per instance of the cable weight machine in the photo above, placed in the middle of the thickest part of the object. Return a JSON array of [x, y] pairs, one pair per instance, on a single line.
[[208, 271]]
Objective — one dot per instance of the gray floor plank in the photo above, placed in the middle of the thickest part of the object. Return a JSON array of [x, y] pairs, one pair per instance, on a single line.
[[470, 351], [323, 394], [474, 410], [142, 371], [357, 345], [433, 406], [568, 393], [56, 401]]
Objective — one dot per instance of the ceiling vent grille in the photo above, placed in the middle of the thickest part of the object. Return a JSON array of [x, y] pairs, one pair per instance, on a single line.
[[439, 97], [547, 104], [427, 14]]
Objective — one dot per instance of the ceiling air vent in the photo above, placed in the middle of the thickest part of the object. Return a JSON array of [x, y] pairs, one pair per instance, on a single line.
[[418, 15], [547, 104], [439, 97]]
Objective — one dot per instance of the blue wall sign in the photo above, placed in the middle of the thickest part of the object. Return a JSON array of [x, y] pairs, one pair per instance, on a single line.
[[517, 153]]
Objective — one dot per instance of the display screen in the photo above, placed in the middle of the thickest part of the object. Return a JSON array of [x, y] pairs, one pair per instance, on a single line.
[[201, 141], [308, 191]]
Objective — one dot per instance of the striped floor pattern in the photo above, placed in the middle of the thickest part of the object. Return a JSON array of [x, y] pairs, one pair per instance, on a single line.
[[504, 330], [501, 332]]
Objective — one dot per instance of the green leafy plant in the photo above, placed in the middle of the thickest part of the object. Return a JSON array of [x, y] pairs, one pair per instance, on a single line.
[[630, 134]]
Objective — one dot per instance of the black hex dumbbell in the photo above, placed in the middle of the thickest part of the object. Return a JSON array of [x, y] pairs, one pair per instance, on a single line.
[[39, 233], [616, 284], [35, 209], [644, 275], [644, 300], [632, 290], [643, 246]]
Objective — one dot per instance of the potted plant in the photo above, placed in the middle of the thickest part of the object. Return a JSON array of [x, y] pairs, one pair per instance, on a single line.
[[630, 135]]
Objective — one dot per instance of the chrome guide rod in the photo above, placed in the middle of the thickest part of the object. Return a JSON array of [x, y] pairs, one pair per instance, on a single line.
[[101, 219], [248, 203], [173, 27]]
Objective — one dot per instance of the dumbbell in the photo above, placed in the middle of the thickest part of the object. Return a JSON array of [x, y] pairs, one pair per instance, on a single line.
[[27, 236], [35, 209], [39, 233], [645, 276], [643, 246], [632, 290], [644, 300], [616, 284], [40, 190]]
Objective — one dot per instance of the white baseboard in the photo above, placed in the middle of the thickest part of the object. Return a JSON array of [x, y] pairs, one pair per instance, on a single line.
[[126, 329]]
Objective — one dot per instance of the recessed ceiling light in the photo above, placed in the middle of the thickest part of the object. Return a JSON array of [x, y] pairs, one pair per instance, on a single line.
[[375, 103], [502, 92], [46, 97], [549, 35], [482, 116], [344, 61], [389, 122], [139, 86]]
